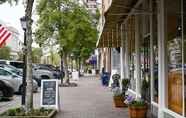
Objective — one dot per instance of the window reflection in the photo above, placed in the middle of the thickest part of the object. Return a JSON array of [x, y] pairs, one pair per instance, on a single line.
[[174, 39]]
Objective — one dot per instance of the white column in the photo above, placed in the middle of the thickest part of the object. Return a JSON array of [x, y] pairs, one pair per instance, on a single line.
[[138, 64], [108, 60], [122, 53], [126, 64], [161, 60], [183, 59], [151, 55]]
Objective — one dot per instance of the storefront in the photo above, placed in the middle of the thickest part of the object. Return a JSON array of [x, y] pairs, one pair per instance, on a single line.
[[172, 27], [151, 36]]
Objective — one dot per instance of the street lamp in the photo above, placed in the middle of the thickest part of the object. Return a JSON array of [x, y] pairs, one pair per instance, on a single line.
[[23, 25]]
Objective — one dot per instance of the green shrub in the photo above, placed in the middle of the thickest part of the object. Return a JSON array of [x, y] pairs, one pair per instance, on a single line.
[[137, 103], [21, 112]]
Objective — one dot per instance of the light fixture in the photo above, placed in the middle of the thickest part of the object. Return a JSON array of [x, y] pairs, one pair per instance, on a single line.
[[23, 22]]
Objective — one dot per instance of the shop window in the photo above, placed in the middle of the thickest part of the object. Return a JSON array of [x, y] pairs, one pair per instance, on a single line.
[[115, 59], [144, 37], [155, 54], [174, 39], [132, 62], [145, 63]]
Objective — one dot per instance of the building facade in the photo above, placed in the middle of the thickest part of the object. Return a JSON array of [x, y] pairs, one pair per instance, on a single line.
[[151, 37], [14, 42], [91, 5]]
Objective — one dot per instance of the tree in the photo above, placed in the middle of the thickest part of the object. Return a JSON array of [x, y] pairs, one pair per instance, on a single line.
[[29, 92], [5, 53], [20, 56], [36, 55], [69, 24]]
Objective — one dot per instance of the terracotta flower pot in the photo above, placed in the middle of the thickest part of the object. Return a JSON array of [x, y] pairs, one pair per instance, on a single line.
[[138, 112], [119, 101]]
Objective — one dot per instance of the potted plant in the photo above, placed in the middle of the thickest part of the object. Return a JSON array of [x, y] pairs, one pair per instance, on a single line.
[[117, 94], [138, 109], [125, 85], [118, 97], [144, 90]]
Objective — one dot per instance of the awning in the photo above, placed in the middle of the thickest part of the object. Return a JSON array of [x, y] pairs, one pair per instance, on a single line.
[[119, 10]]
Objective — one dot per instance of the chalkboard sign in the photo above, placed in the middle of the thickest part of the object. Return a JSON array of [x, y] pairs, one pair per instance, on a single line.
[[49, 93]]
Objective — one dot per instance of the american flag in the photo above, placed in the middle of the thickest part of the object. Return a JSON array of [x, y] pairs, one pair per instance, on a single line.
[[4, 35]]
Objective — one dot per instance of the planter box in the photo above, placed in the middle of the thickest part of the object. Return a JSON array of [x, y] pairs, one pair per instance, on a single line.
[[137, 112], [51, 115], [119, 101]]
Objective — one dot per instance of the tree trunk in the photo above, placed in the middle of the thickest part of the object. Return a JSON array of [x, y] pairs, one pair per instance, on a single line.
[[79, 66], [66, 68], [62, 69], [29, 92]]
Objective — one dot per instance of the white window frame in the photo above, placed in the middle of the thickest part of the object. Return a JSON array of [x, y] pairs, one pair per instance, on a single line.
[[162, 70]]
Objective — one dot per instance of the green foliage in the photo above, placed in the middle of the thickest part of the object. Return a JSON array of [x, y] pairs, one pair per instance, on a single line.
[[21, 112], [125, 84], [145, 85], [137, 103], [5, 53], [68, 24], [144, 89], [36, 55]]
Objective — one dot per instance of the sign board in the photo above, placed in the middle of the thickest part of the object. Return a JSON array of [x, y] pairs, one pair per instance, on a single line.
[[116, 77], [49, 93]]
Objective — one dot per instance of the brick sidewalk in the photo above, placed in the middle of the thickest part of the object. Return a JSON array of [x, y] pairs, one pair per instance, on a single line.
[[88, 100]]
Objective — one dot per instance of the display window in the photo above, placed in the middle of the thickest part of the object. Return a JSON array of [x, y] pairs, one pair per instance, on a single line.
[[154, 34], [132, 62], [175, 43]]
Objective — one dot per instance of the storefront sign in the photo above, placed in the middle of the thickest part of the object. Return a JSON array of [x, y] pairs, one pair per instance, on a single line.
[[49, 93]]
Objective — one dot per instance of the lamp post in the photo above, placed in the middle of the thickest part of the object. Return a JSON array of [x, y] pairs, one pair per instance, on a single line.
[[23, 25]]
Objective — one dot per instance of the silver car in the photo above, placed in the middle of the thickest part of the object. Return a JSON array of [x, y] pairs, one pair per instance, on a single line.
[[14, 80]]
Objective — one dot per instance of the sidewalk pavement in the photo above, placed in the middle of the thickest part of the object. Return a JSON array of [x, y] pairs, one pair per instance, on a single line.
[[88, 100]]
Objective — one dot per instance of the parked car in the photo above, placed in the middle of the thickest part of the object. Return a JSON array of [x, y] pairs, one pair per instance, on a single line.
[[6, 91], [53, 69], [18, 64], [40, 73], [14, 80], [12, 69], [2, 61]]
